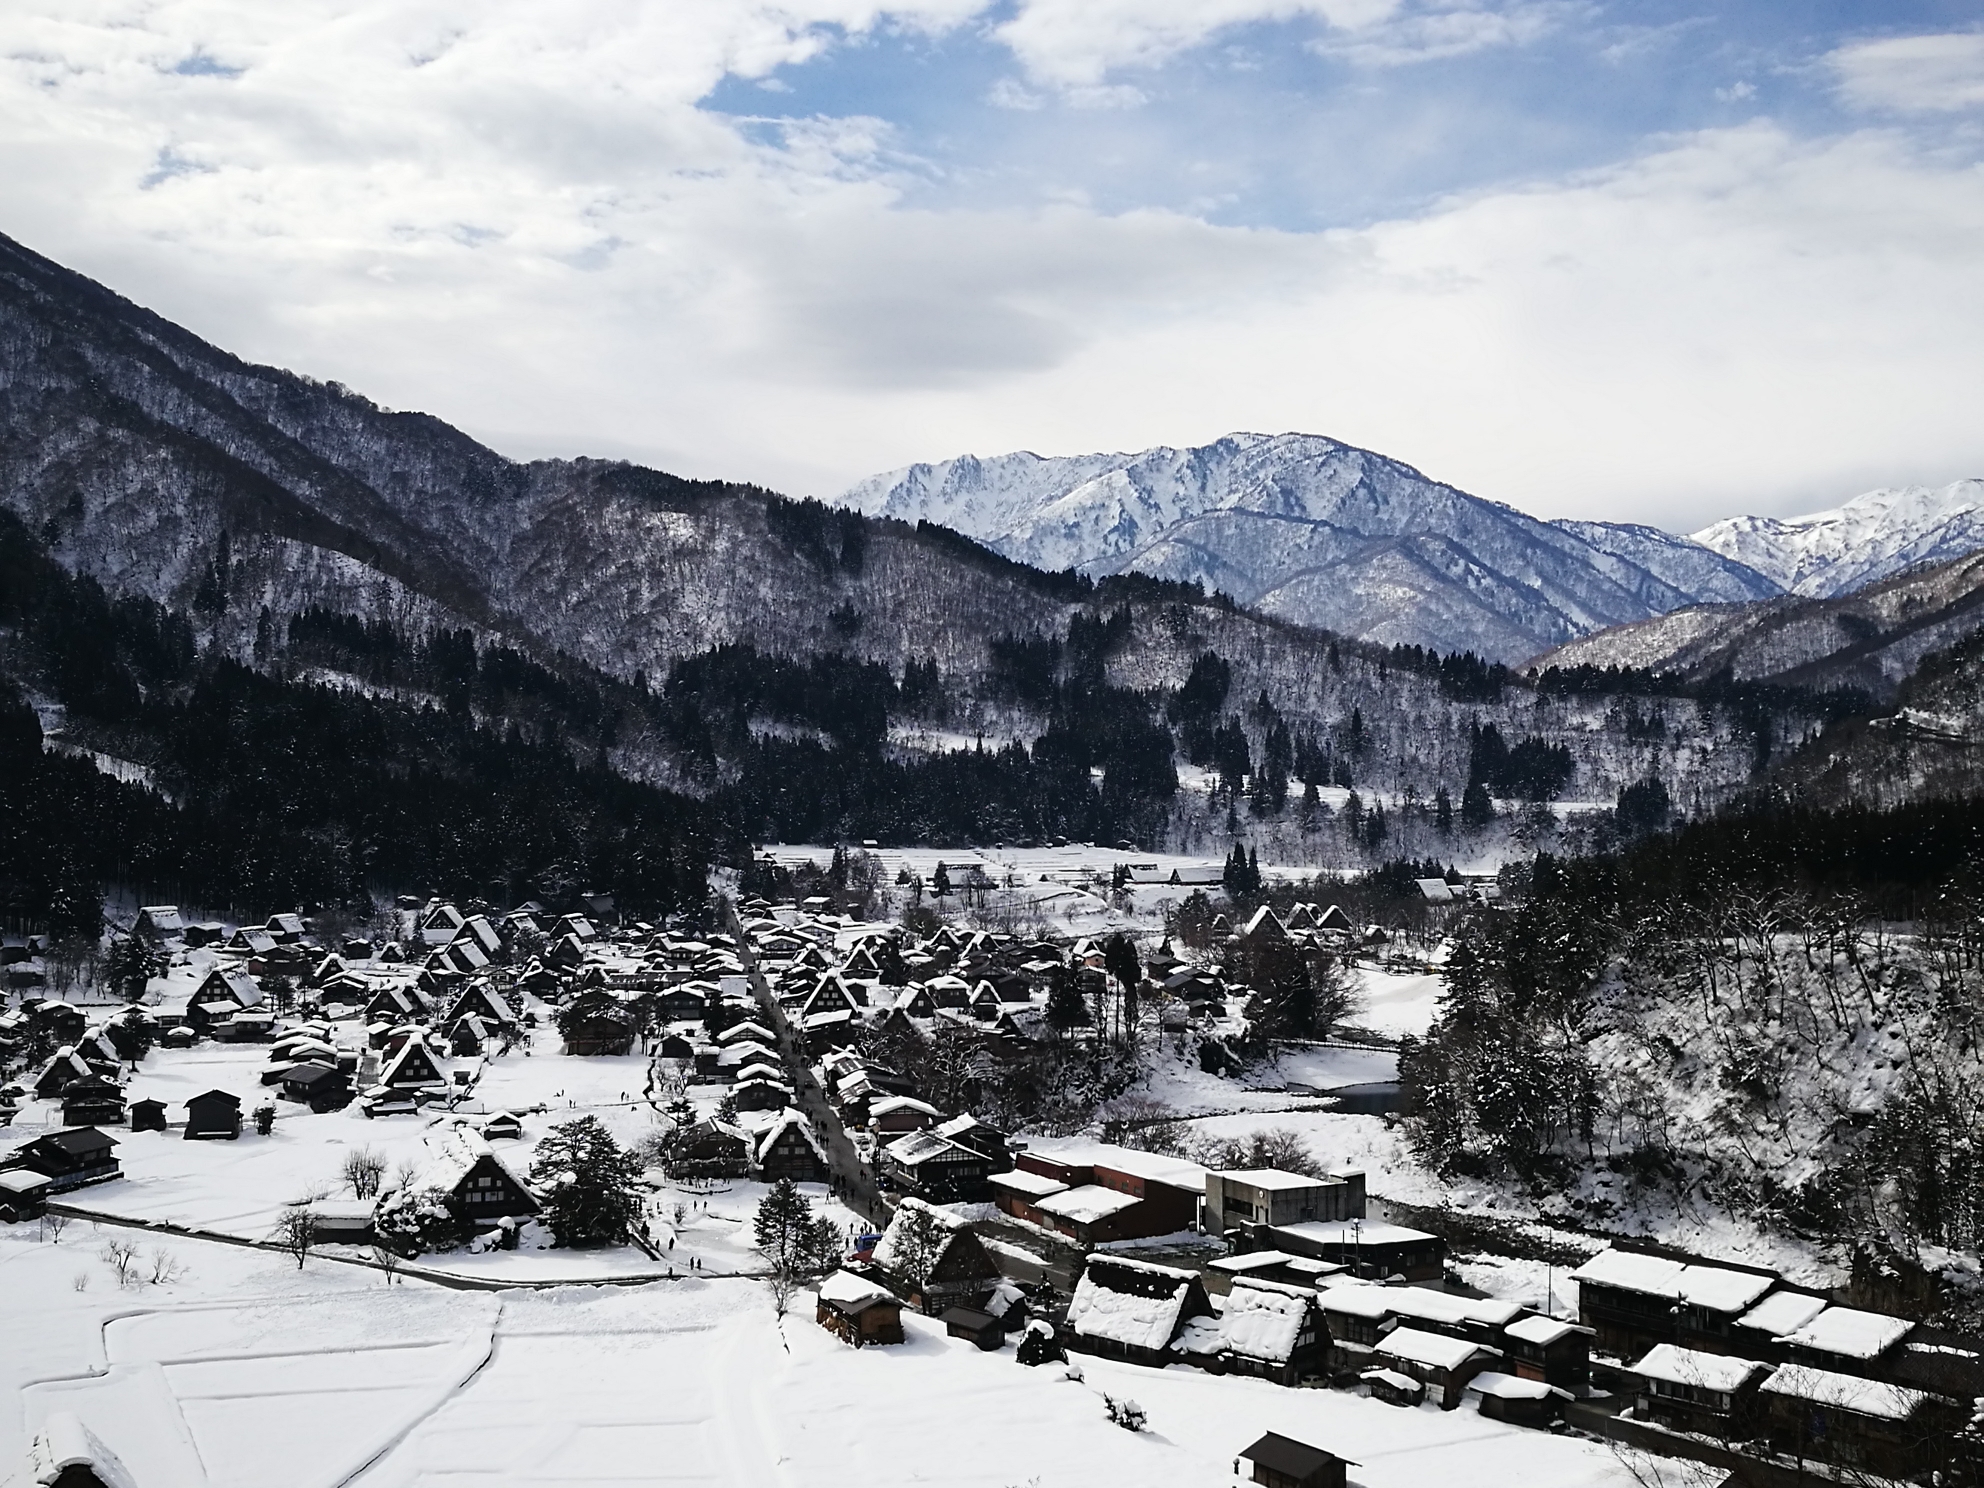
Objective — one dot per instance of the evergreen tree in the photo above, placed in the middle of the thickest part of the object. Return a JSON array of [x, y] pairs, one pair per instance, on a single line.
[[1477, 807], [940, 882], [591, 1186], [1065, 1008], [131, 963], [789, 1236], [1443, 812]]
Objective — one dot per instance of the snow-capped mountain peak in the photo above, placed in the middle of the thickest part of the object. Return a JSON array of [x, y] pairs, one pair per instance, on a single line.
[[1827, 553], [1318, 531]]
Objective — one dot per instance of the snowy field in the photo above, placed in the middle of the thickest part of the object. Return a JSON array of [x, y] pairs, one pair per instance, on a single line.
[[239, 1188], [245, 1373], [1393, 1003]]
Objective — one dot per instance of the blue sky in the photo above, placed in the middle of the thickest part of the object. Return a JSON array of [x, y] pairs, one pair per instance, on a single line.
[[1284, 124], [1646, 261]]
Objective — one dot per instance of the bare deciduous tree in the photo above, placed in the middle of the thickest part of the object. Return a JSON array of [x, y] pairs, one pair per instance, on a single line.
[[165, 1267], [52, 1226], [122, 1257], [364, 1168], [388, 1261], [296, 1233]]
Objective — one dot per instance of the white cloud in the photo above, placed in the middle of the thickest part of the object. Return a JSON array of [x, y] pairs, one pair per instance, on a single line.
[[1450, 30], [1913, 74], [527, 226], [1079, 42]]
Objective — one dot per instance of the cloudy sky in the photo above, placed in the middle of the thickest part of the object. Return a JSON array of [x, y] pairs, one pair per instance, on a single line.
[[1652, 261]]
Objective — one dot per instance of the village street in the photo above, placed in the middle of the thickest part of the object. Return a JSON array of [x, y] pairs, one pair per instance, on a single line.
[[857, 1185]]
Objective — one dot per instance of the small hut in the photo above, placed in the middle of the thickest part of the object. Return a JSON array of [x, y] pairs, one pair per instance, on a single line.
[[859, 1311]]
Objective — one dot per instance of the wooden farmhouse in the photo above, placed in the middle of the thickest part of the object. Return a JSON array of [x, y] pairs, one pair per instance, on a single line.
[[1273, 1332], [933, 1259], [789, 1148], [409, 1063], [708, 1149], [1133, 1310], [481, 1188], [859, 1311], [1553, 1352], [319, 1086], [69, 1159], [1442, 1363], [935, 1168], [92, 1102], [64, 1068]]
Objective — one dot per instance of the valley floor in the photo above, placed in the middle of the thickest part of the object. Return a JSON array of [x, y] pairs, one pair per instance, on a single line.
[[246, 1372]]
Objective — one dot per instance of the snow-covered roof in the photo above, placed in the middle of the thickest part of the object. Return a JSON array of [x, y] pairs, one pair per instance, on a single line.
[[1272, 1179], [1717, 1288], [1720, 1289], [1782, 1312], [1152, 1167], [1352, 1232], [1100, 1310], [1850, 1333], [1390, 1377], [1541, 1331], [851, 1293], [945, 1223], [1034, 1185], [1087, 1204], [65, 1442], [790, 1119], [1674, 1365], [1253, 1260], [1263, 1319], [1844, 1391], [889, 1105], [1432, 1350], [1631, 1271], [1510, 1387], [920, 1146]]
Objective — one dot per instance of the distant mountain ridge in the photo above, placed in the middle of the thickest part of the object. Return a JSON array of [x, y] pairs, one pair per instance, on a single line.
[[1313, 530], [1828, 553]]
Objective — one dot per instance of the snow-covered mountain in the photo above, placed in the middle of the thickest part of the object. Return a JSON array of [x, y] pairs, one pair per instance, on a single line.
[[1317, 531], [1872, 536]]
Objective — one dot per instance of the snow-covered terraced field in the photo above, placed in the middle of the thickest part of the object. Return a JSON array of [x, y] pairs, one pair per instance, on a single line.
[[249, 1374]]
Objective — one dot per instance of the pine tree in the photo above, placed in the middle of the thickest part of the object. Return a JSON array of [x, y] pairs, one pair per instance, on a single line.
[[940, 882], [1477, 807], [785, 1229], [591, 1185], [1065, 1009]]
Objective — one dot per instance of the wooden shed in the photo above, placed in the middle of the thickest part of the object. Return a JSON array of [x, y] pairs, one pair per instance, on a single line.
[[983, 1329], [1277, 1461], [215, 1114], [147, 1115], [859, 1311]]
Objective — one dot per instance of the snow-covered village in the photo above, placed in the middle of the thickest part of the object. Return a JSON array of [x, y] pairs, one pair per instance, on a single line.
[[991, 743], [782, 1192]]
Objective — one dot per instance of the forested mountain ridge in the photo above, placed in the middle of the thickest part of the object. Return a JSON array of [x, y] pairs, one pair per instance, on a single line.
[[1871, 638], [805, 671], [1320, 532]]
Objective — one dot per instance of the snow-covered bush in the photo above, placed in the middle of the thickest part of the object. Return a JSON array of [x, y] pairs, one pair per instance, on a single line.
[[415, 1220]]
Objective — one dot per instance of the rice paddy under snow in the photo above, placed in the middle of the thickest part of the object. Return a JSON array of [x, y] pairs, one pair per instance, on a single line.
[[247, 1373]]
